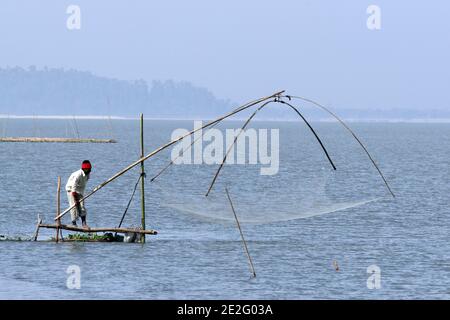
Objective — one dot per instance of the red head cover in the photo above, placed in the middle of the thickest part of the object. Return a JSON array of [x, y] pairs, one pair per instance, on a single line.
[[86, 165]]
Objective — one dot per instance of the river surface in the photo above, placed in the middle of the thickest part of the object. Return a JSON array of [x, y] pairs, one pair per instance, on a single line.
[[299, 223]]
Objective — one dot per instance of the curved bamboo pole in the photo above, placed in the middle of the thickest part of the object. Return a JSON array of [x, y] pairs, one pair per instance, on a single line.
[[352, 133], [312, 130], [232, 145], [154, 152], [245, 125], [192, 143]]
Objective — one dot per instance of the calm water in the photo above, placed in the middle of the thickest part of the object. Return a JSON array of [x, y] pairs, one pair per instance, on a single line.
[[198, 254]]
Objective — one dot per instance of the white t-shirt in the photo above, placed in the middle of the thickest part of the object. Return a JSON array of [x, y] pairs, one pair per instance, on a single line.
[[77, 182]]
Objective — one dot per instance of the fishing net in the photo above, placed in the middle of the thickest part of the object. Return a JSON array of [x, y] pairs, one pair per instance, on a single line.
[[304, 185]]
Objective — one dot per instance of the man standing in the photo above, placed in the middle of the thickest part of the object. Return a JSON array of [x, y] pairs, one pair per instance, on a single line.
[[75, 190]]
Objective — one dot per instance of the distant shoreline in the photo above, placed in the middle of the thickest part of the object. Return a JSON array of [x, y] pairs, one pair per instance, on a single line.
[[325, 120]]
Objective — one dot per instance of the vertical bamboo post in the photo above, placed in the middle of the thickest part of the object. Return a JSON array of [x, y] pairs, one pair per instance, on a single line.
[[58, 207], [142, 178], [36, 233]]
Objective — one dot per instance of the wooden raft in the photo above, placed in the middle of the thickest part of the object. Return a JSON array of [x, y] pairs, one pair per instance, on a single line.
[[93, 230]]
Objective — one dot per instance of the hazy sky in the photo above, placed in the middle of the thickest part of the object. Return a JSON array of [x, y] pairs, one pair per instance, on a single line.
[[245, 49]]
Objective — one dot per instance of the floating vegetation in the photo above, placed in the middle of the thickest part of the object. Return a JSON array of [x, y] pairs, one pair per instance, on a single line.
[[93, 237], [14, 238]]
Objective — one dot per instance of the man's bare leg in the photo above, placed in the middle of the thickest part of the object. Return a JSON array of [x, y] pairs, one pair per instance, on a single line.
[[83, 222]]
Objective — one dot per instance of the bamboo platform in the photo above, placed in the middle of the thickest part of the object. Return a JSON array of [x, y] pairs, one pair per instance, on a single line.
[[94, 230], [58, 140]]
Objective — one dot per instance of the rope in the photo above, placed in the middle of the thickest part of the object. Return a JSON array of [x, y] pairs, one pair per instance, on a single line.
[[131, 199]]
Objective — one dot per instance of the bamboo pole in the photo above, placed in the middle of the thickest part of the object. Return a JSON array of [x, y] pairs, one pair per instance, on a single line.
[[179, 155], [232, 146], [154, 152], [182, 152], [36, 233], [312, 130], [352, 133], [76, 127], [245, 125], [192, 143], [242, 235], [142, 179], [58, 207], [93, 230]]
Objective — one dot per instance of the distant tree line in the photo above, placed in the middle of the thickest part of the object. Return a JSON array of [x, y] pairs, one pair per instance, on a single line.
[[48, 91]]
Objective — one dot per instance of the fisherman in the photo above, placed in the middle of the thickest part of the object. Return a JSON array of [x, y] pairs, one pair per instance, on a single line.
[[75, 190]]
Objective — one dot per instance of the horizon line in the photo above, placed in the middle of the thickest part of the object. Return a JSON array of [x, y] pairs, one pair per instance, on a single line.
[[325, 120]]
